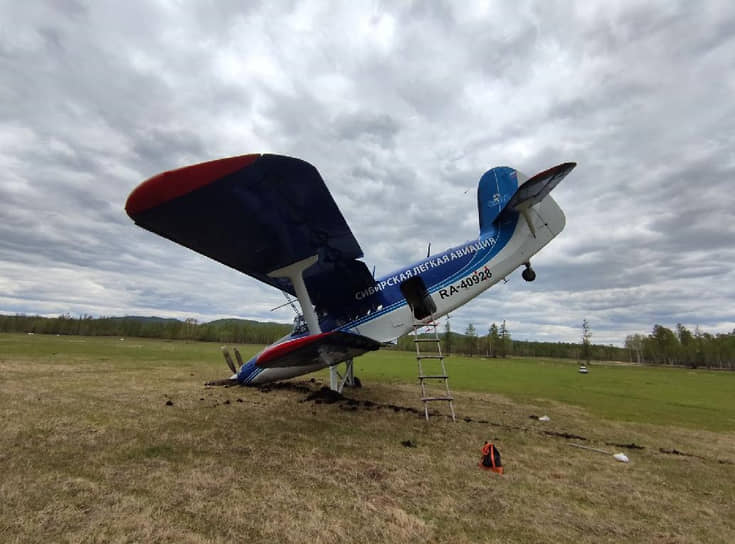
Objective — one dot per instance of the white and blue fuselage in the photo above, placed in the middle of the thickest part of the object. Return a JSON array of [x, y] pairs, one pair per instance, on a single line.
[[442, 282]]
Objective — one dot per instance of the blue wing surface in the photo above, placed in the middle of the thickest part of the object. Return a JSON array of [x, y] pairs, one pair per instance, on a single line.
[[256, 213]]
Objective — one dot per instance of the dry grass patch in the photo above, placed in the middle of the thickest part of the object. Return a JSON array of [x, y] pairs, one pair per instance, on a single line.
[[90, 451]]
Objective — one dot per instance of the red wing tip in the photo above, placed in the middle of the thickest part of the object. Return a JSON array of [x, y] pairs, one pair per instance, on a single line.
[[178, 182], [279, 350]]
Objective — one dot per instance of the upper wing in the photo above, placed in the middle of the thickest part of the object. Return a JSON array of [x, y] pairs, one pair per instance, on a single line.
[[256, 213]]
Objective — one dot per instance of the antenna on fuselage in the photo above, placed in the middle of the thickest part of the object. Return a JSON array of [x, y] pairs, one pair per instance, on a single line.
[[428, 250]]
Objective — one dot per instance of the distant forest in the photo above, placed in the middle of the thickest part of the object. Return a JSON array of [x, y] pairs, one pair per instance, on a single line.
[[236, 331], [663, 346]]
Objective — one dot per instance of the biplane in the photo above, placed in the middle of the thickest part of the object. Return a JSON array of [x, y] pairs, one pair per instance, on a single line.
[[273, 218]]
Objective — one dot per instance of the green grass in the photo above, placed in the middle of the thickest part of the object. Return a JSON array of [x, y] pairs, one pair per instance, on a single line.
[[694, 398], [128, 352], [665, 396], [104, 440]]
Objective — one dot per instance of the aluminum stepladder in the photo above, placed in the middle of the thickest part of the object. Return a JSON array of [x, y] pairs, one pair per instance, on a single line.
[[439, 377]]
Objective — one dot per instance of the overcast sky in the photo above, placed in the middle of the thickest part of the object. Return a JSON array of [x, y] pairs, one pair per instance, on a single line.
[[401, 106]]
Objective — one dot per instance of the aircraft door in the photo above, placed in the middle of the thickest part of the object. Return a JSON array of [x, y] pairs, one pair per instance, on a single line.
[[419, 299]]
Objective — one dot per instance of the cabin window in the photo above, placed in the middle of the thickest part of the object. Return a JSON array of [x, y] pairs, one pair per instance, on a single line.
[[418, 298]]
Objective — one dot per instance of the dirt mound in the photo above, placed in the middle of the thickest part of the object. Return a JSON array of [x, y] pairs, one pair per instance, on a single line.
[[631, 446], [324, 395], [299, 387]]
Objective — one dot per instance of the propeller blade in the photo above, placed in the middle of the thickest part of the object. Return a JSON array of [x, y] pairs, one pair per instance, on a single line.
[[237, 356], [228, 360]]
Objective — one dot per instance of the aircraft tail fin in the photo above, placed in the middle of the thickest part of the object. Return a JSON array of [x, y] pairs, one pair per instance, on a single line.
[[503, 191], [497, 186]]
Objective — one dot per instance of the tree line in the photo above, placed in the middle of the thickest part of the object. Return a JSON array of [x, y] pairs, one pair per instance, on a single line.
[[663, 346], [682, 347], [238, 331], [498, 342]]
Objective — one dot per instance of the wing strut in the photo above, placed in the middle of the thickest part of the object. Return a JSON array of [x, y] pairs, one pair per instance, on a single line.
[[295, 273]]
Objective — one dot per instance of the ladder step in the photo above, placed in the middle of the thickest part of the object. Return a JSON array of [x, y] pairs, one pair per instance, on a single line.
[[430, 335]]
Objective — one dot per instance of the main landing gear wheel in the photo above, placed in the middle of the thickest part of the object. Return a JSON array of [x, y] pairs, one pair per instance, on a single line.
[[528, 274]]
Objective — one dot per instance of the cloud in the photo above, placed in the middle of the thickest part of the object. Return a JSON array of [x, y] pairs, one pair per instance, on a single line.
[[401, 107]]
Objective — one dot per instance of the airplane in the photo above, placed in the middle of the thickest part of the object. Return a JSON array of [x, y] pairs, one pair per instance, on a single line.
[[273, 218]]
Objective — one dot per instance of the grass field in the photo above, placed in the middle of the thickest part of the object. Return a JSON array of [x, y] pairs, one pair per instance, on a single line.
[[104, 440]]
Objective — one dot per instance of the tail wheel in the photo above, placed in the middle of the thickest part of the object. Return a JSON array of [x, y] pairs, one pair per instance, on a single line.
[[528, 274]]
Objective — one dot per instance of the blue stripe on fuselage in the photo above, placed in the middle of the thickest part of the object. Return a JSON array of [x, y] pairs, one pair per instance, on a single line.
[[437, 272], [495, 188], [249, 371]]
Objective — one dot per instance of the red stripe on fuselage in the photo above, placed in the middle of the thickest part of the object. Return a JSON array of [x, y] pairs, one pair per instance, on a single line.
[[175, 183], [284, 348]]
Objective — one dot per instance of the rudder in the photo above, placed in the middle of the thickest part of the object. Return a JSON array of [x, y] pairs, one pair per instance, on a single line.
[[496, 188]]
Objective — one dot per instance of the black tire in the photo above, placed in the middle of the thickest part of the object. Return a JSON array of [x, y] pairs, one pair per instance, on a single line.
[[528, 274]]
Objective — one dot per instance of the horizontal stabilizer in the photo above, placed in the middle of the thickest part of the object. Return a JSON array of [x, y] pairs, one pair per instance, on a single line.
[[538, 187], [328, 348], [501, 193]]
